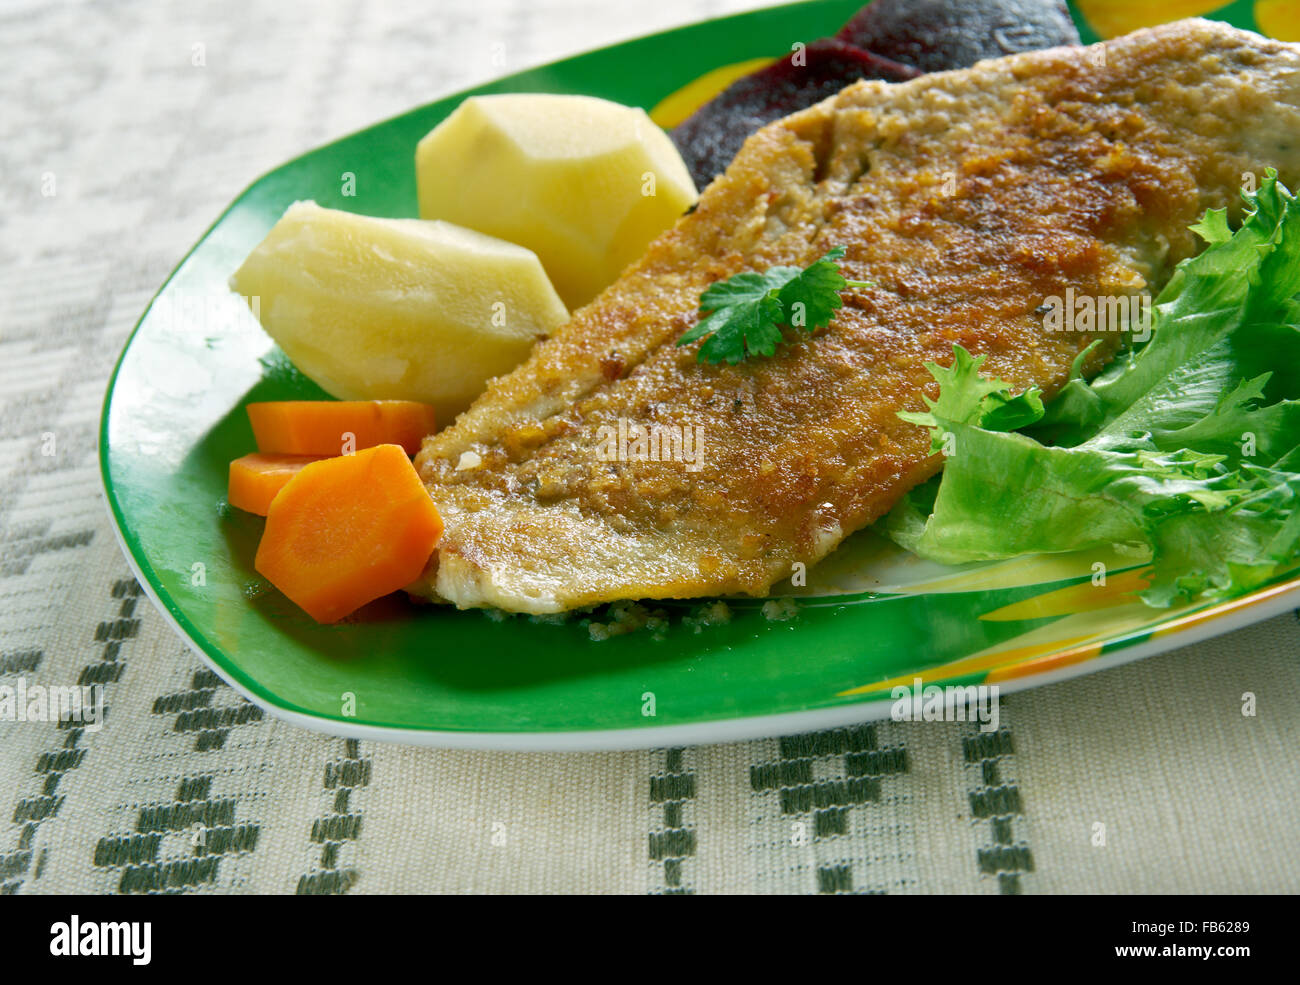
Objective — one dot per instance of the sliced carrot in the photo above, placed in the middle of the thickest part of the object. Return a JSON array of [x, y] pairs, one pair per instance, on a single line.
[[346, 530], [256, 478], [338, 427]]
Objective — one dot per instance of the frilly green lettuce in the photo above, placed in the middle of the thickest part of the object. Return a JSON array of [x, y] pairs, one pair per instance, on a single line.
[[1188, 445]]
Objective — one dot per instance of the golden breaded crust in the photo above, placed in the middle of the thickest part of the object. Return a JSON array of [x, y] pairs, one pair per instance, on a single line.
[[967, 197]]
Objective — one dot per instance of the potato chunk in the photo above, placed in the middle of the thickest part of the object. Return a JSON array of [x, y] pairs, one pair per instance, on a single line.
[[397, 309], [584, 183]]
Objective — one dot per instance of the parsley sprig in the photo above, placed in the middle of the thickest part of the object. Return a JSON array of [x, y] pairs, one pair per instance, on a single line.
[[745, 314]]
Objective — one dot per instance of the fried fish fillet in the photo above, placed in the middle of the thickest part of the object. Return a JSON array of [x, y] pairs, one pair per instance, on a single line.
[[967, 197]]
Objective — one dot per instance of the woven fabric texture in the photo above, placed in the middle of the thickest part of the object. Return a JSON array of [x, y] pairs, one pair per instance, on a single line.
[[1146, 778]]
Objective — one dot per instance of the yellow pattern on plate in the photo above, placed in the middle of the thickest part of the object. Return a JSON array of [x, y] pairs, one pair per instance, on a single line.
[[1279, 18], [988, 660], [1111, 18], [1118, 589], [676, 107]]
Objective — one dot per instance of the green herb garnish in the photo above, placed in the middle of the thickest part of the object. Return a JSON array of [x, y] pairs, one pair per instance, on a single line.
[[745, 314]]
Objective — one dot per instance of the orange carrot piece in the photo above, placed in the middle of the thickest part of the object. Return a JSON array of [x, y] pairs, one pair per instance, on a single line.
[[323, 427], [256, 478], [346, 530]]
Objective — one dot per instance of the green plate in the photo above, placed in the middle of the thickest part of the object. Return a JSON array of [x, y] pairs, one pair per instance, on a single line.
[[870, 618]]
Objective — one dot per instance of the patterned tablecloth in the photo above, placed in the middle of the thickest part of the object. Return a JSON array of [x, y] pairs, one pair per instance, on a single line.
[[124, 130]]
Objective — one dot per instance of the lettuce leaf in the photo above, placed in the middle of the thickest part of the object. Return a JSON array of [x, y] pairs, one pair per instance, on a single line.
[[1186, 446]]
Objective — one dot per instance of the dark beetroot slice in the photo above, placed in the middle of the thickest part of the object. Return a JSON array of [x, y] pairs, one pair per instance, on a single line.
[[937, 35], [712, 135]]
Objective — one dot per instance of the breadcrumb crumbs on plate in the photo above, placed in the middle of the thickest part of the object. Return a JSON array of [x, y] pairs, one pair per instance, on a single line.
[[779, 610]]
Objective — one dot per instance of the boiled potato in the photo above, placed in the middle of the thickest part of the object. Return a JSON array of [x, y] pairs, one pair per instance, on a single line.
[[397, 309], [584, 183]]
